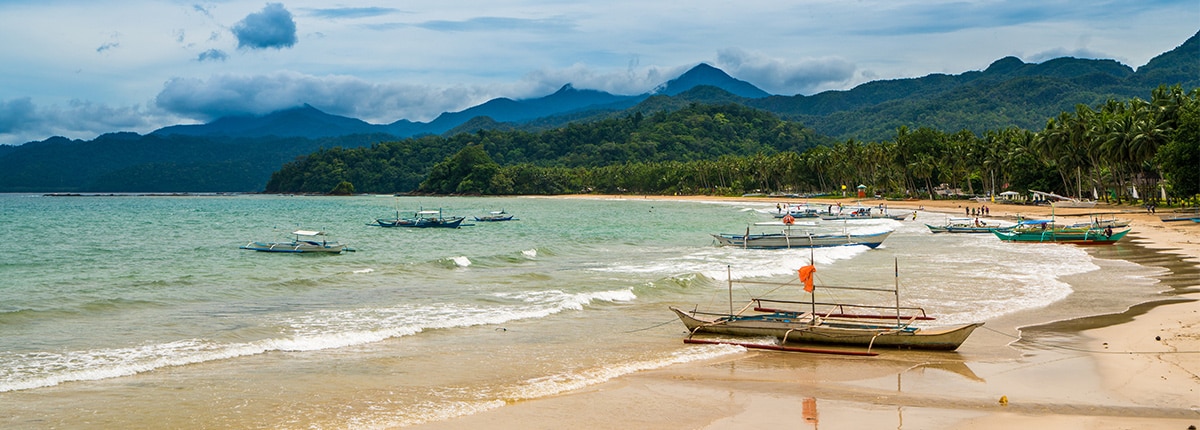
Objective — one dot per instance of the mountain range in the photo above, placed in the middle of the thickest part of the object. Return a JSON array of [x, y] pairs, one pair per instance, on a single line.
[[307, 121], [238, 153]]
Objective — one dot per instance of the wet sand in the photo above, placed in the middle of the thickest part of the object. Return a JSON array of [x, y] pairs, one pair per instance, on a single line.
[[1076, 364]]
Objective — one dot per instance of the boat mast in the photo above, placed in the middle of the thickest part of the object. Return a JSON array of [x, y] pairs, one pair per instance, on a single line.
[[812, 295], [896, 263], [729, 276]]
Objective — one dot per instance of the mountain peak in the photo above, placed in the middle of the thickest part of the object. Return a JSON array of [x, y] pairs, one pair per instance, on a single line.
[[705, 74]]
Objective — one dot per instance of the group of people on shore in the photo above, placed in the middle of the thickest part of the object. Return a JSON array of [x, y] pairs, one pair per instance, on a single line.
[[979, 211]]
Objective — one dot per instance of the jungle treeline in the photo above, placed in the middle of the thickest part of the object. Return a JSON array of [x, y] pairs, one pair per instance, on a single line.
[[1118, 149]]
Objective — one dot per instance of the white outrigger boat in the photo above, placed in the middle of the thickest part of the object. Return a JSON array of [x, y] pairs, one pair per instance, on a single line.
[[793, 237], [304, 241]]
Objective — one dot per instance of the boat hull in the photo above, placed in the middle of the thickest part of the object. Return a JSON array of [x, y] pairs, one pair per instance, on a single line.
[[797, 328], [296, 247], [491, 218], [453, 222], [961, 229], [1085, 237], [852, 217], [785, 241]]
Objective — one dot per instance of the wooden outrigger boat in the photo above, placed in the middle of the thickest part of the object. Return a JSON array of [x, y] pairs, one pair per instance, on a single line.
[[825, 323]]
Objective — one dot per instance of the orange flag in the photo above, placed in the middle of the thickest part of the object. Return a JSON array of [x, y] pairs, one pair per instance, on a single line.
[[806, 276]]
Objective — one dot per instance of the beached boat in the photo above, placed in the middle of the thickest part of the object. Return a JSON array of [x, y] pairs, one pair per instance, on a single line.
[[493, 216], [792, 237], [1186, 214], [1097, 222], [826, 323], [1048, 233], [864, 213], [1063, 201], [303, 241], [965, 225], [812, 328], [422, 219], [798, 211]]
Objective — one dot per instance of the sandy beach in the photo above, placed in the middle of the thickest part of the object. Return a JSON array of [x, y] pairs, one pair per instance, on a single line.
[[1123, 369]]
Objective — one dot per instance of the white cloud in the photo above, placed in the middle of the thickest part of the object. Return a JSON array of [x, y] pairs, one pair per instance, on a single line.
[[375, 60]]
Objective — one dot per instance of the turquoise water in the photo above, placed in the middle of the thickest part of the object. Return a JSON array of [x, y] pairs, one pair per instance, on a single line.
[[141, 311]]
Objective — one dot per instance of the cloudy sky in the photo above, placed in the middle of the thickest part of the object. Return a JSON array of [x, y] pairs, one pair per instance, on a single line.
[[80, 68]]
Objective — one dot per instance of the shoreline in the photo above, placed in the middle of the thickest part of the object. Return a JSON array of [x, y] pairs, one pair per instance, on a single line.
[[1134, 368]]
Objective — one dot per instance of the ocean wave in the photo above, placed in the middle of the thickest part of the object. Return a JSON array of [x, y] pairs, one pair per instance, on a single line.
[[556, 300], [425, 412], [313, 331]]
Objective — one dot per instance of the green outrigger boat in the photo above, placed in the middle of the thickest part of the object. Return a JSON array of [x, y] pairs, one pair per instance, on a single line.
[[1042, 231]]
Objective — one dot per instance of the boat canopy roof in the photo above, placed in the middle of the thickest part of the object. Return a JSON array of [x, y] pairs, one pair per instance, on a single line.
[[428, 212], [1035, 221], [308, 233]]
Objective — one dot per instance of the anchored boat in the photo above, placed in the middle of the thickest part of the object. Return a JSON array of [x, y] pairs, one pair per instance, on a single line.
[[304, 241]]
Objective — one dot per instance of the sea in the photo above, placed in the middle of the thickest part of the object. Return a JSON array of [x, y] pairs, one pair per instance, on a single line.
[[135, 311]]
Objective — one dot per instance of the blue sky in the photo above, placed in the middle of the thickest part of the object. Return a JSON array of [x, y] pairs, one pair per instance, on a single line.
[[79, 68]]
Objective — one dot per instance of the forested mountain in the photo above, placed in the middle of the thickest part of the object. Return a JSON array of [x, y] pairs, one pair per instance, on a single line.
[[238, 153], [706, 75], [1009, 92], [127, 162], [1120, 150], [696, 132]]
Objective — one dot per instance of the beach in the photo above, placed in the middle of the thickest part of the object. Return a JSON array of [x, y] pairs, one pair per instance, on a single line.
[[1109, 369]]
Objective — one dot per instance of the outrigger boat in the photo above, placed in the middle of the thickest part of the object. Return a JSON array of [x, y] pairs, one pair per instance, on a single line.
[[825, 323], [493, 216], [1186, 214], [860, 213], [1063, 201], [422, 219], [791, 237], [964, 225], [304, 241], [1051, 234]]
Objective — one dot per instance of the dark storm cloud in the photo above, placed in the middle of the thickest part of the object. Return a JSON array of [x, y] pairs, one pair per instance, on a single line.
[[15, 114], [273, 27]]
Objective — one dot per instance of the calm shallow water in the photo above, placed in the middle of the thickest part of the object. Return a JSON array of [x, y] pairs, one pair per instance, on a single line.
[[131, 311]]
